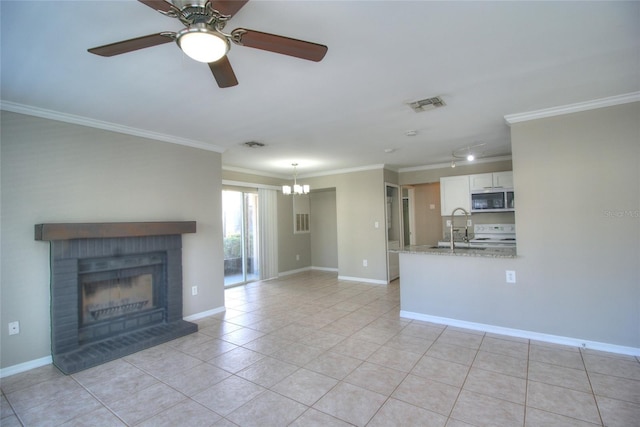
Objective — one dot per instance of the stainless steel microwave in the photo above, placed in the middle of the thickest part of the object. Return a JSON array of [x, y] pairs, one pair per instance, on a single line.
[[493, 201]]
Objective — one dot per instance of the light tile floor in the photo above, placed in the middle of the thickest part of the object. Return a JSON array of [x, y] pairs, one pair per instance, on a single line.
[[311, 350]]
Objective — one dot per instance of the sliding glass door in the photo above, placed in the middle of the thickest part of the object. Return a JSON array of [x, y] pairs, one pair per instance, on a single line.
[[240, 237]]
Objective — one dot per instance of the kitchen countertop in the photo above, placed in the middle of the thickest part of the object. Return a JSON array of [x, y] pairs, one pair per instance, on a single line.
[[469, 252]]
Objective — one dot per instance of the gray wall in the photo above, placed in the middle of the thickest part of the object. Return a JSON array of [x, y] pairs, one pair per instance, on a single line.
[[58, 172], [577, 177], [360, 203], [324, 229], [291, 246]]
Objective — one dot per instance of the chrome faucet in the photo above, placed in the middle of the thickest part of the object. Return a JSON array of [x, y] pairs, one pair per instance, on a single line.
[[466, 226]]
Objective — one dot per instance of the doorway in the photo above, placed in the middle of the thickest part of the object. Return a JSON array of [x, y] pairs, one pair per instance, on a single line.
[[240, 237]]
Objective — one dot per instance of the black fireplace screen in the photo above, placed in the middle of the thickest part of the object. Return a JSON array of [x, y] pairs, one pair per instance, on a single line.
[[119, 293], [120, 296]]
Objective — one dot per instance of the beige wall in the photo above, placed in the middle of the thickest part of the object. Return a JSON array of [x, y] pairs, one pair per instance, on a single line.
[[58, 172], [428, 222]]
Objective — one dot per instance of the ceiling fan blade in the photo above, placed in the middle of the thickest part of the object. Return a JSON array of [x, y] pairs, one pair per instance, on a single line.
[[223, 72], [132, 44], [279, 44], [160, 5], [227, 7]]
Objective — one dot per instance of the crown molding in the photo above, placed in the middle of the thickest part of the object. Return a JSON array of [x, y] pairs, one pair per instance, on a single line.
[[254, 172], [249, 184], [98, 124], [341, 171], [458, 162], [306, 175], [573, 108]]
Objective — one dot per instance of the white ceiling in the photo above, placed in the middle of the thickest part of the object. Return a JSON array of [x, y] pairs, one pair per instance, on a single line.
[[485, 59]]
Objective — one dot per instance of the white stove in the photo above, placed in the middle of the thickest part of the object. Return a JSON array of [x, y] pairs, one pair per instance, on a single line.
[[493, 235]]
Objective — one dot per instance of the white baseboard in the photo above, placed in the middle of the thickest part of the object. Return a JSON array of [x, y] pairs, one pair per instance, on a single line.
[[26, 366], [32, 364], [556, 339], [335, 270], [362, 279], [205, 314], [290, 272]]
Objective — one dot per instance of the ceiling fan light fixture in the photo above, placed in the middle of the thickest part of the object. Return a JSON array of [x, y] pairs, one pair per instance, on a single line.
[[202, 44]]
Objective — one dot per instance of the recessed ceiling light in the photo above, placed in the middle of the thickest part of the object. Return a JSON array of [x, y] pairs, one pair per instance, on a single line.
[[389, 150], [411, 133]]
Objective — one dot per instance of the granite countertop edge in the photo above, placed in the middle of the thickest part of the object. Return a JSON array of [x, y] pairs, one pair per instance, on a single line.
[[464, 252]]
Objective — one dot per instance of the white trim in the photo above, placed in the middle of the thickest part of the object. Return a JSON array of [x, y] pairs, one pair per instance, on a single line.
[[362, 279], [573, 108], [254, 172], [250, 185], [335, 270], [98, 124], [204, 314], [306, 175], [556, 339], [341, 171], [26, 366], [290, 272], [458, 162]]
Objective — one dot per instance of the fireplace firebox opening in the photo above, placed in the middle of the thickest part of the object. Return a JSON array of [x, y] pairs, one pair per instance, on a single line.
[[120, 293], [116, 288]]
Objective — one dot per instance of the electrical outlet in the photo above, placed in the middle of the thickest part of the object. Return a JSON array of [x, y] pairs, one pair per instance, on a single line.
[[298, 257], [376, 224], [511, 276], [448, 223], [194, 290], [469, 223], [14, 328], [365, 263]]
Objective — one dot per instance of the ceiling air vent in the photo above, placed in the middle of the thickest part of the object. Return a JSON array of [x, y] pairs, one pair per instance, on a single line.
[[427, 104]]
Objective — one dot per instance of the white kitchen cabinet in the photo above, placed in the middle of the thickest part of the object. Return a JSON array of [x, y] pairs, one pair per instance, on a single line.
[[488, 181], [454, 193], [480, 181], [503, 179]]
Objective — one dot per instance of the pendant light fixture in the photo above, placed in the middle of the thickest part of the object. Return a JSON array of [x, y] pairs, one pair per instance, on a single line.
[[297, 189]]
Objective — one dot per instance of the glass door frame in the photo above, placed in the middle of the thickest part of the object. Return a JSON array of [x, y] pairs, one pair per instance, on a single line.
[[249, 271]]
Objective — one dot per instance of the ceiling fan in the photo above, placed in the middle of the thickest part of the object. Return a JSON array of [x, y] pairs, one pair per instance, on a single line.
[[204, 40]]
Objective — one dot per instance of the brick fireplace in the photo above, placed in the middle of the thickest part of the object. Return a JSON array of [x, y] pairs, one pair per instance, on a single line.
[[116, 288]]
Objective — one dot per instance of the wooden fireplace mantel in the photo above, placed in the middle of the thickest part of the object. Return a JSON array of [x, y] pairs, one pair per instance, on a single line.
[[62, 231]]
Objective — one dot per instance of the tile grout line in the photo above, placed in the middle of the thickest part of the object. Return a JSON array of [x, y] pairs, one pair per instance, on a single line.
[[526, 384], [403, 379], [591, 387], [455, 402]]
